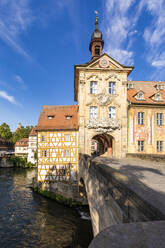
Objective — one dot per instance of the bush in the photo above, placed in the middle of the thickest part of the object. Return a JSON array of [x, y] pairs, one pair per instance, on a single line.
[[21, 162]]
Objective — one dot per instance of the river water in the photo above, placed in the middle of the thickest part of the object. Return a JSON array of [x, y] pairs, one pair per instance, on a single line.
[[27, 219]]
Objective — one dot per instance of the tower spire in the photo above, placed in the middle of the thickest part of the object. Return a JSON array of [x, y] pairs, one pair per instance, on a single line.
[[97, 43]]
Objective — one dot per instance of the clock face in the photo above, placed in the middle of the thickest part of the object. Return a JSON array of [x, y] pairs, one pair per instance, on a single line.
[[104, 63]]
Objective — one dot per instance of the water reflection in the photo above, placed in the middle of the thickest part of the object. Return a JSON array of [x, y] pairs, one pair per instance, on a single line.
[[30, 220]]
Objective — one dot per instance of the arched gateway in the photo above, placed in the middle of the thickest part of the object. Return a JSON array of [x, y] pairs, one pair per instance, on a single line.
[[102, 145]]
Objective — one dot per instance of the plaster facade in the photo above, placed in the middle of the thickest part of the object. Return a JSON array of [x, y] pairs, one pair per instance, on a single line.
[[150, 131], [114, 128], [32, 148]]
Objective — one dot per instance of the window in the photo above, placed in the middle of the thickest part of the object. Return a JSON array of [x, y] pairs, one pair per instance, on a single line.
[[140, 118], [93, 112], [140, 145], [157, 97], [159, 146], [67, 137], [140, 96], [97, 50], [130, 86], [112, 112], [93, 87], [42, 138], [159, 119], [66, 153], [112, 88], [50, 117], [44, 153], [160, 86], [68, 117]]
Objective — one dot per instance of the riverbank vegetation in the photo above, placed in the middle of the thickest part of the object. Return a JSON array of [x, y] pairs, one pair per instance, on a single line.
[[21, 162], [59, 198]]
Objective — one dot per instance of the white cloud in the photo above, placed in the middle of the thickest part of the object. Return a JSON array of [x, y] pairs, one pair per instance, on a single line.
[[158, 63], [20, 80], [4, 95], [15, 17], [119, 29], [159, 60]]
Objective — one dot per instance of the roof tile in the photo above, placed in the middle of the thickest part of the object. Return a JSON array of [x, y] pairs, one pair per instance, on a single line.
[[58, 120]]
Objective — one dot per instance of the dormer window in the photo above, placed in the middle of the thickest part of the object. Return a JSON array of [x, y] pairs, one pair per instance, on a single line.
[[158, 97], [68, 117], [50, 117], [140, 96], [130, 86], [97, 50], [160, 86]]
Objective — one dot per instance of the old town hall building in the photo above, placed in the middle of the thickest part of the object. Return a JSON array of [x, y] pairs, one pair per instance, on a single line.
[[113, 116]]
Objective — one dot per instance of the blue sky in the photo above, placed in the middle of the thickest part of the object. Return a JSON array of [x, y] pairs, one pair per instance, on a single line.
[[40, 41]]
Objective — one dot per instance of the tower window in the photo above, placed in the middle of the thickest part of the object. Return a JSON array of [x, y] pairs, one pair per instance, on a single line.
[[93, 87], [159, 146], [97, 50], [140, 145], [93, 112], [112, 88], [112, 112]]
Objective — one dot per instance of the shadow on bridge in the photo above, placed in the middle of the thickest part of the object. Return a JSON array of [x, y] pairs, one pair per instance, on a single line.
[[122, 193]]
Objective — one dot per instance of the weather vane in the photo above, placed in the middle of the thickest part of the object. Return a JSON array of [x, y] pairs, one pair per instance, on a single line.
[[96, 22]]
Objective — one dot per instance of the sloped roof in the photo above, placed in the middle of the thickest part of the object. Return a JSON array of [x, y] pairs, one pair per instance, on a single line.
[[149, 89], [58, 119], [22, 142]]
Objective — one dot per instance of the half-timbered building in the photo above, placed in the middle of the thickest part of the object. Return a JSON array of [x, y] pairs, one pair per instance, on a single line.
[[57, 143]]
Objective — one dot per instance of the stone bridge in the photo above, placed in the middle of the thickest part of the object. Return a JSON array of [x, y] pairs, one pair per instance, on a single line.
[[124, 191]]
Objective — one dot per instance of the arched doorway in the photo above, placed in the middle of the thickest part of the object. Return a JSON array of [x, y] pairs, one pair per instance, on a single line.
[[102, 145]]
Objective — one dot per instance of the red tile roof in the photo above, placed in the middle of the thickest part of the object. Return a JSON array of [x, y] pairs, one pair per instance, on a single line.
[[55, 118], [149, 89], [22, 142]]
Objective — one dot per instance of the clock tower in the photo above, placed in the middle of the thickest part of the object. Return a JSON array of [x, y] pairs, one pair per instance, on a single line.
[[97, 43], [100, 88]]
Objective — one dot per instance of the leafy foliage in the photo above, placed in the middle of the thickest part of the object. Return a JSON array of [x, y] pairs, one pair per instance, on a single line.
[[5, 131], [21, 133], [21, 162]]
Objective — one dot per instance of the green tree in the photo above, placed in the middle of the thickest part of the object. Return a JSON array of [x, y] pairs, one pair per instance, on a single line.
[[21, 133], [5, 131]]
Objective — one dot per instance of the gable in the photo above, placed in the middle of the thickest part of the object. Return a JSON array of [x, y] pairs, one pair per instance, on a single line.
[[106, 62]]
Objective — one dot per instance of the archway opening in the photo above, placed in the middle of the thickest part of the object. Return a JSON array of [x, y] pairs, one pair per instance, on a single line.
[[102, 145]]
